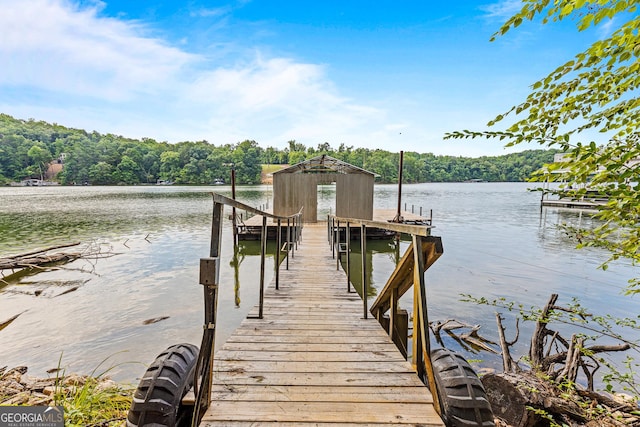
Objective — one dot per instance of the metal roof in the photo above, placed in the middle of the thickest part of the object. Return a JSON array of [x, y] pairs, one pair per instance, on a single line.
[[324, 164]]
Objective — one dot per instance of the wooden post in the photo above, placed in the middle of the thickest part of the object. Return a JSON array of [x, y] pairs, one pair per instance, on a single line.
[[209, 278], [278, 243], [393, 313], [363, 248], [423, 329], [416, 355], [348, 238]]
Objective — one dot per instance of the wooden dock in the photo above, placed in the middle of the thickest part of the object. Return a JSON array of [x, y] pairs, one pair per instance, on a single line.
[[573, 204], [250, 228], [313, 359]]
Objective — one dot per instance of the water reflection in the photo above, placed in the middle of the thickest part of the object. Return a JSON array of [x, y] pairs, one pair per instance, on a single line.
[[496, 244]]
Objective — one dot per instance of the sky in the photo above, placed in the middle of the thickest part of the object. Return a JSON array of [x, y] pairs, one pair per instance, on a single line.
[[394, 75]]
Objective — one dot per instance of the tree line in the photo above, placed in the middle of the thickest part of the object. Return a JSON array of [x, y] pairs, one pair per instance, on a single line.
[[27, 147]]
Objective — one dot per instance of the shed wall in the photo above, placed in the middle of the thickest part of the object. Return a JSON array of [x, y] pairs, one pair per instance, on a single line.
[[354, 194]]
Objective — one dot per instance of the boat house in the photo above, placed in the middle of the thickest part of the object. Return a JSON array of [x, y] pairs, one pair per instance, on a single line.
[[297, 186]]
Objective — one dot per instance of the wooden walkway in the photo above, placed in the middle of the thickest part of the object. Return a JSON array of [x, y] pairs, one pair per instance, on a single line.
[[313, 359]]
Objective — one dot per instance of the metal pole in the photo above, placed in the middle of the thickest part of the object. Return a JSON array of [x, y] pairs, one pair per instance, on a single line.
[[293, 236], [233, 209], [288, 240], [333, 246], [348, 237], [363, 248], [263, 250], [278, 243], [295, 231], [398, 217], [338, 245]]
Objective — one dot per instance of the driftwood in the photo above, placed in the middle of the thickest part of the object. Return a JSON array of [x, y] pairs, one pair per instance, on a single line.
[[39, 258], [519, 400], [470, 340], [155, 320], [45, 259], [7, 322], [526, 398]]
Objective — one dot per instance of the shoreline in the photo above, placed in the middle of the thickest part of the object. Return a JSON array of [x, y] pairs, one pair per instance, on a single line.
[[86, 400]]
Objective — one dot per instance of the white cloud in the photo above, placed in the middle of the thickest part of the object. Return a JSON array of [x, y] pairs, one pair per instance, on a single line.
[[57, 47], [94, 68], [68, 64], [606, 28], [502, 10], [212, 12]]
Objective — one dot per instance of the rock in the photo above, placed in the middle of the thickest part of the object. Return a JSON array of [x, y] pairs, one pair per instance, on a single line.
[[74, 380], [50, 390], [15, 373], [17, 399], [39, 399], [106, 384]]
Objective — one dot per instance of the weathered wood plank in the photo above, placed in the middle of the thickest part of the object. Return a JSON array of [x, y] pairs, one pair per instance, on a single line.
[[309, 356], [305, 333], [379, 412], [299, 424], [385, 379], [308, 339], [320, 393], [313, 359], [237, 367], [311, 345]]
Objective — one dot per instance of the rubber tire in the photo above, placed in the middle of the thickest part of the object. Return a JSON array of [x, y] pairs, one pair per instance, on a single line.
[[461, 393], [157, 400]]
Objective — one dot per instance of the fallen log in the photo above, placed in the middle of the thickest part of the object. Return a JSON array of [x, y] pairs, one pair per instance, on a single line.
[[40, 251], [550, 390], [39, 257], [34, 261], [526, 400]]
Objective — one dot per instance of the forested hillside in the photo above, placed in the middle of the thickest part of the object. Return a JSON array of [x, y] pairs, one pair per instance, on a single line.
[[28, 146]]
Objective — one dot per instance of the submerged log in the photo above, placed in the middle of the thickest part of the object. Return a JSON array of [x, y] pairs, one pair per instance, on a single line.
[[38, 257], [7, 322]]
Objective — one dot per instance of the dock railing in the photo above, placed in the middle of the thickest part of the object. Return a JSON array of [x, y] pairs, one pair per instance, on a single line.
[[422, 252], [209, 278]]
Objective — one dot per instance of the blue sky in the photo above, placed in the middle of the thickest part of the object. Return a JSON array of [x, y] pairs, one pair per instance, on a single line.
[[394, 75]]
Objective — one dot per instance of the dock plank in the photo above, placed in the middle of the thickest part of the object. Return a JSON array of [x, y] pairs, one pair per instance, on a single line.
[[313, 359]]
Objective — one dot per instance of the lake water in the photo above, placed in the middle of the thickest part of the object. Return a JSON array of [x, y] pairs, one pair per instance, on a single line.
[[148, 241]]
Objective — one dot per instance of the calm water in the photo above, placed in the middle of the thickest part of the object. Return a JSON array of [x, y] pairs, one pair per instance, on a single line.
[[149, 241]]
